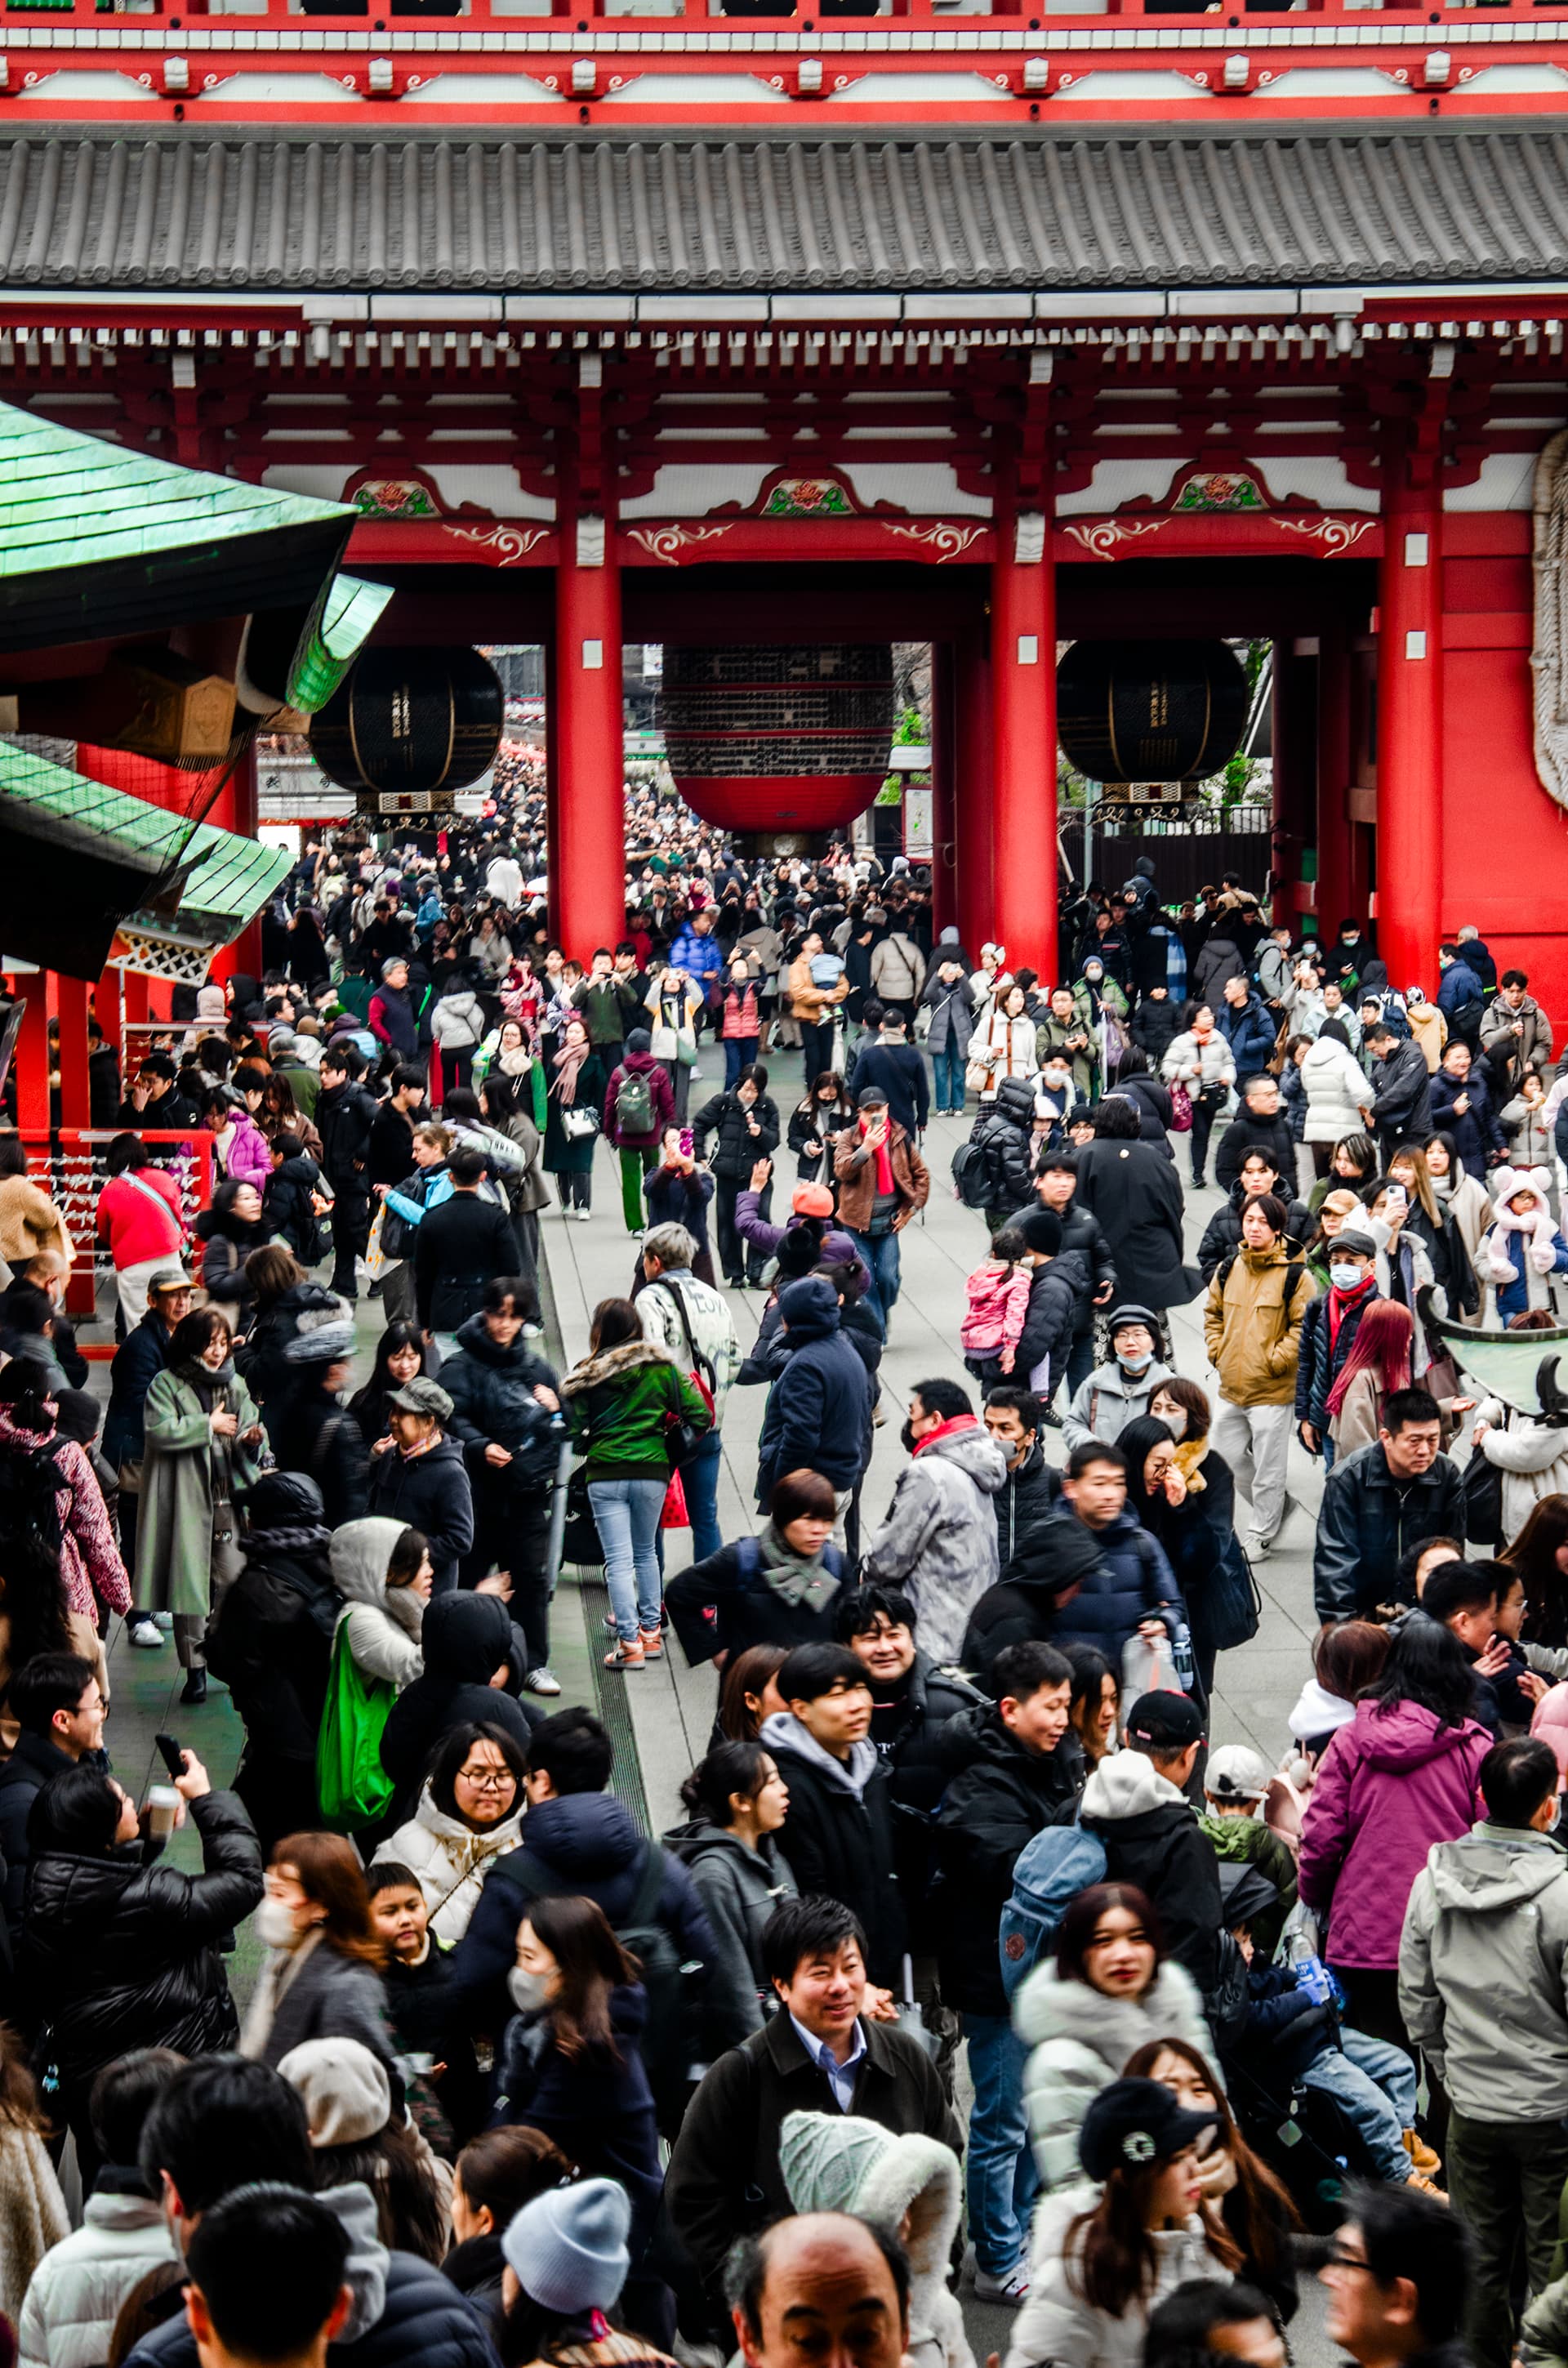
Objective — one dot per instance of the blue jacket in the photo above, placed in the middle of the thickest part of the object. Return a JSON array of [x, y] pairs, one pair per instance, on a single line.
[[1458, 988], [700, 958], [1133, 1582], [1475, 1131], [139, 1360], [1250, 1033], [819, 1410], [1318, 1366]]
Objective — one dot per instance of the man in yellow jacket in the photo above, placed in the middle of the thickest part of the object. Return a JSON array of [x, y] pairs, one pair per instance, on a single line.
[[1251, 1329]]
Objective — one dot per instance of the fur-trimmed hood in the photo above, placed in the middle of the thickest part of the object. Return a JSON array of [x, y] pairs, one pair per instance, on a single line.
[[611, 1363], [1052, 2006], [841, 2162]]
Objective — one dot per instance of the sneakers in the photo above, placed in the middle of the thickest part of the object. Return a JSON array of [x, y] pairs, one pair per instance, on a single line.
[[652, 1643], [147, 1633], [1010, 2291], [533, 1331], [1257, 1547], [582, 1216], [165, 1621], [542, 1681], [625, 1657]]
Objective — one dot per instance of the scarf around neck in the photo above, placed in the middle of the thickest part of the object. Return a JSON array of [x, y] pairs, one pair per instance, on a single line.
[[884, 1160], [567, 1063], [795, 1578]]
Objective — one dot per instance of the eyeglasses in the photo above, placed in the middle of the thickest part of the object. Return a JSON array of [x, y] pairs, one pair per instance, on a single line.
[[487, 1779]]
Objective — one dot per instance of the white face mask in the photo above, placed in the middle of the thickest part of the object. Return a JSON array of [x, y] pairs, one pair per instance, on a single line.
[[526, 1990], [275, 1924], [1343, 1277], [1134, 1364]]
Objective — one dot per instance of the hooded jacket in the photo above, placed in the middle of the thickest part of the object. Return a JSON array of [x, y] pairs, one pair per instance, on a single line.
[[1056, 2323], [430, 1492], [938, 1542], [1079, 2040], [450, 1859], [619, 1403], [738, 1888], [403, 2310], [383, 1624], [585, 1843], [74, 2294], [841, 2162], [1483, 1973], [1252, 1324], [464, 1639], [1053, 1556], [1051, 1316], [1000, 1796], [1152, 1839], [271, 1641], [1392, 1782], [818, 1416], [838, 1833], [1003, 1135]]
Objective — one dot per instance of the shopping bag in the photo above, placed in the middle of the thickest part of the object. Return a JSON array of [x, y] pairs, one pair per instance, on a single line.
[[674, 1515], [352, 1786]]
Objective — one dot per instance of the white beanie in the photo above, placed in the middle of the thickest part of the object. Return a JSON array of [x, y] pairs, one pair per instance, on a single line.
[[568, 2249], [345, 2090]]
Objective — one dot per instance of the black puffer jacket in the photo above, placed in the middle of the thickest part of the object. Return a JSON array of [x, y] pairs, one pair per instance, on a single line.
[[430, 1492], [272, 1641], [119, 1951], [1052, 1315], [492, 1391], [1153, 1107], [1027, 1497], [260, 1364], [999, 1796], [464, 1639], [737, 1150], [1005, 1135], [345, 1116]]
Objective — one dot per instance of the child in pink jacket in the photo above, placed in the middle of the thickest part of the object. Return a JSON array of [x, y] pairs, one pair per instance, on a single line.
[[998, 1300]]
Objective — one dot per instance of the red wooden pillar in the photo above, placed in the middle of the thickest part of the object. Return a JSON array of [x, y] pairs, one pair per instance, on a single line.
[[1331, 898], [1410, 724], [32, 1054], [587, 859], [972, 799], [71, 1002], [944, 830], [1023, 731]]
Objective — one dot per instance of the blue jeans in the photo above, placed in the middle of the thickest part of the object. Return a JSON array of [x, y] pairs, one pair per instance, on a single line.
[[739, 1053], [626, 1513], [700, 1478], [1002, 2179], [1375, 2085], [946, 1071], [880, 1254]]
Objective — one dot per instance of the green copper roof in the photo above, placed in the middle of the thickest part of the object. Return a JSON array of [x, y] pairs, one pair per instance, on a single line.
[[219, 879], [69, 500]]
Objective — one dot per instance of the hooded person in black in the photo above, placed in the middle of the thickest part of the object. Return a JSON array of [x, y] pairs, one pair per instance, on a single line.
[[473, 1661], [272, 1645], [1049, 1567], [1134, 1801]]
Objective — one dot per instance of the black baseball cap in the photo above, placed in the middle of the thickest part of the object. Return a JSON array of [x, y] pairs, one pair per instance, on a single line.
[[1134, 2122], [1169, 1722]]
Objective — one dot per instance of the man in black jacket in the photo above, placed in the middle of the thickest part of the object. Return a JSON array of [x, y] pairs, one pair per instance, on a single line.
[[1048, 1565], [389, 1156], [460, 1245], [837, 1837], [1029, 1493], [1136, 1804], [155, 1101], [56, 1701], [886, 1059], [1020, 1771], [819, 2055], [346, 1112], [1083, 1237], [422, 1480], [1402, 1082], [1259, 1125], [1379, 1502]]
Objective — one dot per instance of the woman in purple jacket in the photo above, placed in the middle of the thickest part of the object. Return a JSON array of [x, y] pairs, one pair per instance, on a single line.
[[1400, 1776]]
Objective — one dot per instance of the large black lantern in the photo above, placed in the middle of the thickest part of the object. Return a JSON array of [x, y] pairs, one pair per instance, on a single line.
[[1150, 710], [414, 720]]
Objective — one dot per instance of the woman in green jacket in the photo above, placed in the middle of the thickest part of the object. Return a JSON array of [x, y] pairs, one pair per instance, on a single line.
[[204, 1447], [622, 1400]]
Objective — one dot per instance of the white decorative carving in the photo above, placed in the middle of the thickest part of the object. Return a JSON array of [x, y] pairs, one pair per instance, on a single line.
[[509, 543], [590, 541], [1101, 540], [1029, 538], [665, 543], [948, 541], [1336, 535], [1550, 559]]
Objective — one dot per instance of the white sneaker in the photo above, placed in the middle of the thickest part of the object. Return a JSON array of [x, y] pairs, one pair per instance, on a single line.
[[582, 1216], [1010, 2291], [542, 1681], [165, 1621], [147, 1633], [1258, 1548]]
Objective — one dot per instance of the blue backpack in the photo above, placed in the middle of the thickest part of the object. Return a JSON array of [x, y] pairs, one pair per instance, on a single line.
[[1049, 1873]]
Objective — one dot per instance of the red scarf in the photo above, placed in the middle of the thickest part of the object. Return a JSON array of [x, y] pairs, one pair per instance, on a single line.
[[884, 1159], [1339, 1302], [955, 1422]]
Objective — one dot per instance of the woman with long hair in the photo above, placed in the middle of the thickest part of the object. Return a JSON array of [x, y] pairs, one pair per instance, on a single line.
[[281, 1114], [1378, 1364], [497, 2174], [1255, 2205], [736, 1801], [32, 2210], [229, 1231], [749, 1693], [1094, 1703], [346, 2091], [401, 1356], [1453, 1264], [471, 1809], [1111, 1987], [322, 1978], [574, 1116], [1464, 1199], [825, 1111], [1401, 1774], [570, 2060], [1099, 2263], [204, 1448], [1195, 1525], [500, 1103], [623, 1399], [1540, 1555]]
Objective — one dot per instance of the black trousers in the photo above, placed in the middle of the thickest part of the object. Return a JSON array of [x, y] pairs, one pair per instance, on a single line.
[[350, 1235], [735, 1256], [816, 1036], [511, 1533]]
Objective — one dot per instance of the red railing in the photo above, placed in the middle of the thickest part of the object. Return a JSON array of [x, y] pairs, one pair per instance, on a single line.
[[68, 1163]]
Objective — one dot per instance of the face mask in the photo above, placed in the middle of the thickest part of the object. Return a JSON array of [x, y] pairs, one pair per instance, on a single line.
[[1343, 1277], [275, 1924], [1134, 1364], [526, 1990], [908, 1439]]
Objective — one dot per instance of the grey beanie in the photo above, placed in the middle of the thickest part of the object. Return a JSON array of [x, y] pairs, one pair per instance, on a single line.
[[568, 2247]]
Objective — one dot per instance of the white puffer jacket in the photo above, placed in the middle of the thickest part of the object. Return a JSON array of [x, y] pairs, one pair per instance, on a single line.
[[1199, 1068], [1080, 2041], [383, 1622], [79, 2285], [1337, 1089], [1058, 2324], [450, 1859]]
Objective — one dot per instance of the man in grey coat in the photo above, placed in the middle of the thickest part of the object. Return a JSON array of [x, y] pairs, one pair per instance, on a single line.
[[938, 1542], [1483, 1991]]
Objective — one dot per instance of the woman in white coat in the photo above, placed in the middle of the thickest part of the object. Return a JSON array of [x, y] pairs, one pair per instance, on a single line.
[[1099, 2263], [1002, 1042], [1338, 1096], [1110, 1990], [470, 1810], [382, 1571]]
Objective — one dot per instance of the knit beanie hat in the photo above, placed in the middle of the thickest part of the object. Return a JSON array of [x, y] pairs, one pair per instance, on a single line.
[[844, 2163], [345, 2090], [1042, 1231], [812, 1201], [568, 2249]]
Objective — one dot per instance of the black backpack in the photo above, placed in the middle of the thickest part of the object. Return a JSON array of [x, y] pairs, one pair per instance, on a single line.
[[971, 1175], [671, 2039], [30, 1512]]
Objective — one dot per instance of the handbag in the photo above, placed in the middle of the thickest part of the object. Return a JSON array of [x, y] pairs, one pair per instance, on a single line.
[[579, 1122], [352, 1786], [673, 1514], [1231, 1605], [1181, 1108], [1481, 1486]]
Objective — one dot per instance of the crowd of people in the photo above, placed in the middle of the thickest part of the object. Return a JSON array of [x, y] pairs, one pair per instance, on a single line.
[[969, 1923]]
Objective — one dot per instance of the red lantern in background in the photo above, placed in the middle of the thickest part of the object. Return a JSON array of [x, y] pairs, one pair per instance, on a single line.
[[778, 738]]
